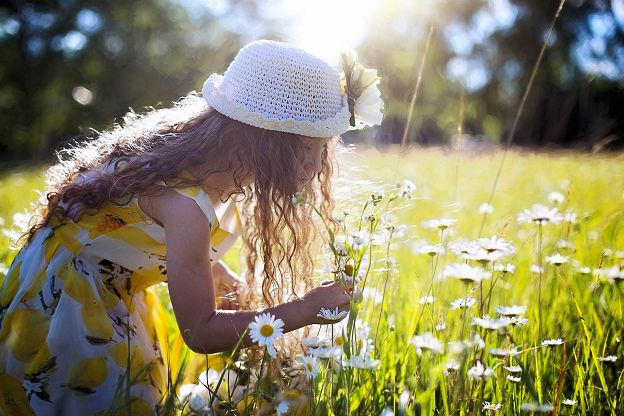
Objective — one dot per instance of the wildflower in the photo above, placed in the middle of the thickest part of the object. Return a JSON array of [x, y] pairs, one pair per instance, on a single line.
[[496, 244], [556, 198], [505, 268], [556, 259], [362, 362], [611, 273], [310, 365], [485, 208], [511, 310], [439, 223], [490, 324], [281, 408], [565, 245], [491, 407], [451, 366], [440, 326], [514, 369], [331, 315], [426, 299], [340, 247], [185, 392], [500, 352], [461, 248], [570, 217], [583, 270], [568, 402], [316, 342], [551, 342], [265, 330], [514, 320], [537, 269], [465, 272], [376, 197], [479, 372], [608, 358], [404, 399], [537, 407], [358, 238], [407, 189], [338, 218], [427, 342], [514, 379], [462, 303], [431, 249], [541, 215]]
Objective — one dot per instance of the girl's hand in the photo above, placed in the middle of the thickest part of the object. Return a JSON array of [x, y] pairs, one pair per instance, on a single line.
[[327, 295], [227, 286]]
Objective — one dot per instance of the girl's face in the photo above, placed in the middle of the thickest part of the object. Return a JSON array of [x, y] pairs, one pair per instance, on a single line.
[[311, 162]]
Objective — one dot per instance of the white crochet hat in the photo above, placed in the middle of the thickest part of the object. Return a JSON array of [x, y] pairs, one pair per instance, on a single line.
[[276, 86]]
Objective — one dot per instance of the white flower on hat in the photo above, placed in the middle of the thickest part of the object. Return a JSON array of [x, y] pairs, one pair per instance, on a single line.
[[362, 88]]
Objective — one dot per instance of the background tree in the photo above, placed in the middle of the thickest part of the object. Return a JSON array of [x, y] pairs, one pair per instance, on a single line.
[[479, 62], [70, 65]]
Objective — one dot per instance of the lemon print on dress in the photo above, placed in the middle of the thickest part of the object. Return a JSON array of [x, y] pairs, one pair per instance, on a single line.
[[86, 375], [13, 400], [25, 331]]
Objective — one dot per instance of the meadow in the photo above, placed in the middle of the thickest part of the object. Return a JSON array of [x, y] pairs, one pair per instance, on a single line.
[[485, 291]]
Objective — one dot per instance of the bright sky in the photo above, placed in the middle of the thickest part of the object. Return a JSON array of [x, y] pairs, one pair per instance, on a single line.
[[326, 27]]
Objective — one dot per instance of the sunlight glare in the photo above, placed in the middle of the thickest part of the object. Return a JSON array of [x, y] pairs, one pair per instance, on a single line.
[[327, 27]]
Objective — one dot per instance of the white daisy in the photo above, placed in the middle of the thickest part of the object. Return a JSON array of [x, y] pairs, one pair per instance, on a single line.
[[491, 407], [488, 323], [537, 269], [426, 299], [310, 365], [439, 223], [362, 362], [265, 330], [556, 198], [465, 272], [431, 249], [485, 208], [479, 372], [568, 402], [514, 320], [608, 358], [501, 352], [427, 341], [540, 214], [505, 268], [514, 369], [511, 310], [462, 303], [513, 379], [551, 342], [331, 315], [557, 259]]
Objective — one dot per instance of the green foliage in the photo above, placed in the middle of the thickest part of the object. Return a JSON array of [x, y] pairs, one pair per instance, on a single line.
[[584, 310]]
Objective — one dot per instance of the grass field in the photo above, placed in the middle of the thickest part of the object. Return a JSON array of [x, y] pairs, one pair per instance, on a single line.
[[413, 345]]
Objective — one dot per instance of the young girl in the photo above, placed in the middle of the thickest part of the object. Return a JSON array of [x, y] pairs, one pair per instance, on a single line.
[[154, 202]]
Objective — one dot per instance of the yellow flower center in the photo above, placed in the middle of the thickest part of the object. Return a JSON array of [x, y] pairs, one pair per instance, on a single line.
[[266, 330], [339, 341], [309, 367]]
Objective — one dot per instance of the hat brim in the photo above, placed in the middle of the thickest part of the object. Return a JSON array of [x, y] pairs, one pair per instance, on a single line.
[[330, 127]]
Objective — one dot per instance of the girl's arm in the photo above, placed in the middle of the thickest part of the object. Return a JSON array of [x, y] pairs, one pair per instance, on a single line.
[[206, 329]]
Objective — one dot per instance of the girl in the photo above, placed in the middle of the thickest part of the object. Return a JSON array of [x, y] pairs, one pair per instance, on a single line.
[[154, 202]]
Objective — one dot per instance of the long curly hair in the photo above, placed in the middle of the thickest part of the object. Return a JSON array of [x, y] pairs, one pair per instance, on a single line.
[[279, 235]]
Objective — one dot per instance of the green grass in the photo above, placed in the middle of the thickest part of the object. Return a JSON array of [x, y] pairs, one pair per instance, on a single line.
[[584, 310]]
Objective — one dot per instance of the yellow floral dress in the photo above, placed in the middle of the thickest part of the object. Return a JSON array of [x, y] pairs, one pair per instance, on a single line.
[[81, 332]]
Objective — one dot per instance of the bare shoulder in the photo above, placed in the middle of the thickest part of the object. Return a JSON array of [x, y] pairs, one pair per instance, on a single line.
[[171, 209]]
